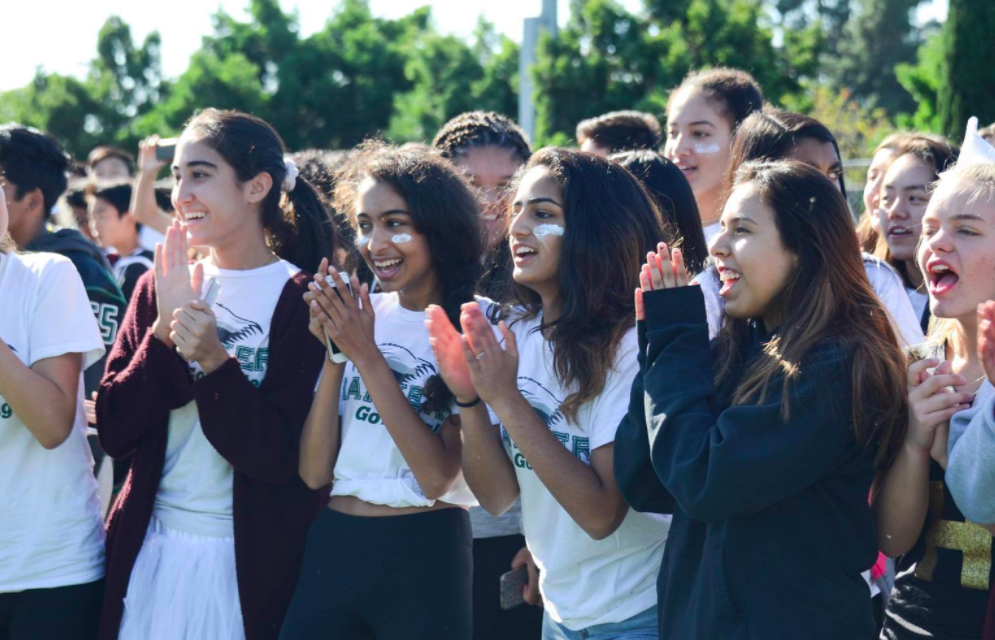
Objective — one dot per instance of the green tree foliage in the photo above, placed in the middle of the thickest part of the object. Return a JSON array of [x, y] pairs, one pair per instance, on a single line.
[[608, 58], [878, 39], [922, 81], [967, 84]]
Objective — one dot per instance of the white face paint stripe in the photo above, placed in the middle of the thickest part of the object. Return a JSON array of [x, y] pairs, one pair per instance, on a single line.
[[401, 238], [548, 230], [712, 147], [362, 241]]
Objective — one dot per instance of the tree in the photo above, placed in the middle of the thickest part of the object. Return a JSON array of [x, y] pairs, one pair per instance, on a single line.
[[966, 85], [922, 81], [449, 77], [608, 59], [879, 39], [61, 105]]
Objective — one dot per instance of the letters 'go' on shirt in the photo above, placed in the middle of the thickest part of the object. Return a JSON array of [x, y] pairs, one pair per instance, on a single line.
[[369, 465], [51, 530]]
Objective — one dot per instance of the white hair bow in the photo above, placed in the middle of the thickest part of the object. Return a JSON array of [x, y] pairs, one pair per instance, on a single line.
[[291, 180]]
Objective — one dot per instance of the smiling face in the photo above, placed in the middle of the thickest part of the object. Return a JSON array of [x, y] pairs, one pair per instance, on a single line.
[[872, 186], [537, 230], [490, 169], [821, 156], [393, 249], [905, 195], [216, 207], [957, 253], [699, 138], [753, 263]]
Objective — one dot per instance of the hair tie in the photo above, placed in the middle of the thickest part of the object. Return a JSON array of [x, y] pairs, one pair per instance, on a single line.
[[290, 181]]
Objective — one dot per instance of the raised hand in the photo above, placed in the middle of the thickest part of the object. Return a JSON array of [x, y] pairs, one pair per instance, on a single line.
[[148, 162], [348, 324], [447, 344], [174, 284], [986, 338], [493, 369], [663, 270], [931, 405]]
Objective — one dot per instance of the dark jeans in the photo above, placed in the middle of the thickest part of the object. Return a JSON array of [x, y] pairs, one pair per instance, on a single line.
[[66, 613]]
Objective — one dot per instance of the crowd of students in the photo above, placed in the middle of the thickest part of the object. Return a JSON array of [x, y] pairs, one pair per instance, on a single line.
[[678, 393]]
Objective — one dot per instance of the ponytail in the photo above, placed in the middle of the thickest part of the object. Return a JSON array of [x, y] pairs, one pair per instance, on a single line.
[[305, 233]]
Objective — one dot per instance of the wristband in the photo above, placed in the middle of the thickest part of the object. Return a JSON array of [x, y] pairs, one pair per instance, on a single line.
[[472, 403]]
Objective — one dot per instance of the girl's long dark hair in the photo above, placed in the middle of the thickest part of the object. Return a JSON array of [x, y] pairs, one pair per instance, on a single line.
[[675, 200], [826, 297], [611, 224], [771, 134], [443, 208], [298, 226]]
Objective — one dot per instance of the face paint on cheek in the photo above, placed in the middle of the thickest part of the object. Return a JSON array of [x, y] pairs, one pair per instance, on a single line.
[[362, 241], [711, 147], [543, 231], [401, 238]]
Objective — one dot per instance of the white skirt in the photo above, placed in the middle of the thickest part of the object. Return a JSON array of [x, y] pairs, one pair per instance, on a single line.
[[183, 587]]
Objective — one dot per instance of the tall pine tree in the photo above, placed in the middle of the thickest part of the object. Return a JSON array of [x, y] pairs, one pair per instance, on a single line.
[[967, 87]]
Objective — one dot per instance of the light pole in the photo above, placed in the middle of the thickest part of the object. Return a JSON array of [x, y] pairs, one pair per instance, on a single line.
[[526, 58]]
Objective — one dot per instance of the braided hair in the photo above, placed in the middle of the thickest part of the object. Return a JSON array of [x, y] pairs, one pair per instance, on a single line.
[[481, 129]]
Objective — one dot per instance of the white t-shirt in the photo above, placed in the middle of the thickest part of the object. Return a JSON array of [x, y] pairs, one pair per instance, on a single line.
[[51, 530], [195, 493], [888, 286], [583, 582], [711, 232], [148, 238], [710, 285], [919, 302], [370, 466]]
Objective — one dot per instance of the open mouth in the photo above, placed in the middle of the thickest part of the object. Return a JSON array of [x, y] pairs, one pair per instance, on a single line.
[[729, 280], [524, 254], [942, 278], [899, 232], [387, 269]]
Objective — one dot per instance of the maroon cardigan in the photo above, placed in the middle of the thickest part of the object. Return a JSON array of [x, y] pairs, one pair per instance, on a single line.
[[256, 430]]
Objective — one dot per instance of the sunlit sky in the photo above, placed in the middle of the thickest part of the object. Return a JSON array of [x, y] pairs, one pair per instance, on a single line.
[[43, 33]]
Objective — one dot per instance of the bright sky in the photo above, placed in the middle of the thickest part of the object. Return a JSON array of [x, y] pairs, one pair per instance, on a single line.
[[66, 44]]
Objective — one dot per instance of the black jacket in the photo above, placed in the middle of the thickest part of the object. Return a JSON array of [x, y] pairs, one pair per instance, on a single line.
[[771, 526]]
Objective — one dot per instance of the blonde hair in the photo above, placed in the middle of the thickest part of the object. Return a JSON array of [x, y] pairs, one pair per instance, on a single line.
[[7, 244], [979, 181]]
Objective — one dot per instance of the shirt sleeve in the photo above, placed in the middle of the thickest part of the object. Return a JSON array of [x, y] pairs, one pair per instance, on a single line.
[[62, 320], [612, 405], [970, 471], [891, 293]]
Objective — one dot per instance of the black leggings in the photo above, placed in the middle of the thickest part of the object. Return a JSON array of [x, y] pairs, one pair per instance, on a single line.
[[492, 558], [66, 613], [390, 578]]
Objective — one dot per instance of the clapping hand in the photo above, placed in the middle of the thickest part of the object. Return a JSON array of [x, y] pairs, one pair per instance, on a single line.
[[931, 405], [662, 270], [349, 325], [175, 286], [986, 338]]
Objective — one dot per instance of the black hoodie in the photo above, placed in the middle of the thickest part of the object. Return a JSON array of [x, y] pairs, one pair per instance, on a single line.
[[106, 299], [771, 526]]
